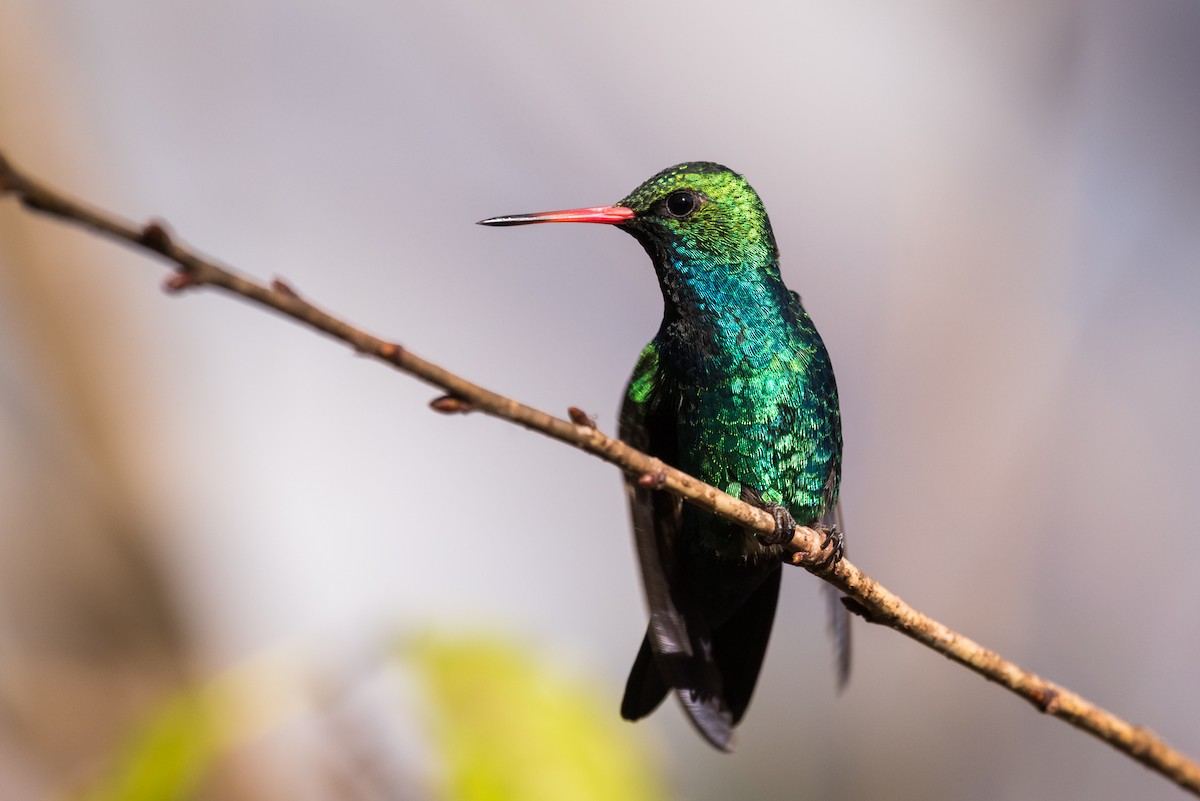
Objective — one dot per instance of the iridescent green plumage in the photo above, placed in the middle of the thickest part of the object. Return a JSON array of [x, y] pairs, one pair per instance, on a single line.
[[758, 401], [736, 389]]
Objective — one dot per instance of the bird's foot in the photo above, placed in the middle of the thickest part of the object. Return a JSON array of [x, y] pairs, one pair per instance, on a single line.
[[785, 524], [833, 547]]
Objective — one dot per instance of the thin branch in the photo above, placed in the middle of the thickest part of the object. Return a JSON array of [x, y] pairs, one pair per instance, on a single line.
[[866, 596]]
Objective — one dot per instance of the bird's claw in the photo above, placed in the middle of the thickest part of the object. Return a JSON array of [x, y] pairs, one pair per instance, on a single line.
[[785, 525], [833, 542], [833, 547]]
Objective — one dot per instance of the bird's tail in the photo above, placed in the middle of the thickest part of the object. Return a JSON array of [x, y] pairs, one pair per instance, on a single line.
[[716, 682]]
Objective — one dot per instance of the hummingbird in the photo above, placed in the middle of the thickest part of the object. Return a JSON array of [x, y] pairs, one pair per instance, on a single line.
[[736, 389]]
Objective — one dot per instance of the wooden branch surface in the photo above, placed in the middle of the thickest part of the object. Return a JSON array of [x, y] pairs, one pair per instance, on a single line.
[[868, 598]]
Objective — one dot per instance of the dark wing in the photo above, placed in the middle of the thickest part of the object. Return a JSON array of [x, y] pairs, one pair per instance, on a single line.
[[678, 649], [839, 616], [645, 689]]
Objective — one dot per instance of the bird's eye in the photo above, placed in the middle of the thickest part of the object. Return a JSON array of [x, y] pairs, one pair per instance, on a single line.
[[681, 204]]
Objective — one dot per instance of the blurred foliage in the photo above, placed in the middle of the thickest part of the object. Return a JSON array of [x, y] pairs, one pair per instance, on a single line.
[[502, 723], [167, 757], [509, 726]]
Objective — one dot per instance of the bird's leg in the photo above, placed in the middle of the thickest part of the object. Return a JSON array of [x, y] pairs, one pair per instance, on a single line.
[[833, 542], [785, 524]]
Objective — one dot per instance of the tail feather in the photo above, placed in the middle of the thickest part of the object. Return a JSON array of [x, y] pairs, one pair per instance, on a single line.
[[736, 648], [647, 687], [740, 644]]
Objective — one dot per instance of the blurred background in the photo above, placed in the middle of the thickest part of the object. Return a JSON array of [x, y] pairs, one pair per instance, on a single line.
[[238, 562]]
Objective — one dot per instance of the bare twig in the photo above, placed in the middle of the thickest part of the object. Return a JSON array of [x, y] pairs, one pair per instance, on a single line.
[[866, 596]]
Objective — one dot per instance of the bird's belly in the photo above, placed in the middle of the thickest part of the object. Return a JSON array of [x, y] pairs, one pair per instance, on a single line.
[[771, 442]]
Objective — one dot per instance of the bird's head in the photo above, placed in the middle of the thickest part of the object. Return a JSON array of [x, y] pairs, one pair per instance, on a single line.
[[696, 211], [701, 211]]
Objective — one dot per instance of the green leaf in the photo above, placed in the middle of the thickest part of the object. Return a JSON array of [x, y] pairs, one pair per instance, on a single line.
[[508, 726], [167, 756]]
